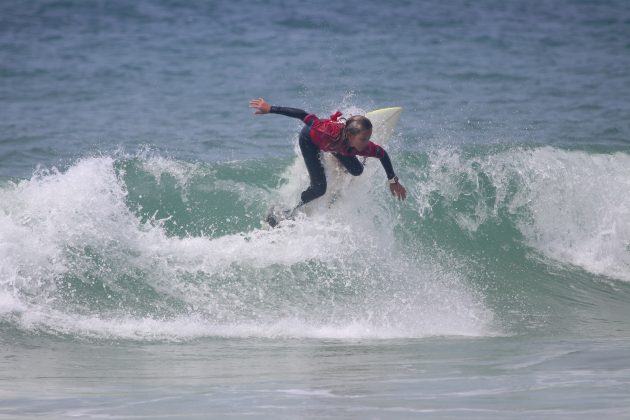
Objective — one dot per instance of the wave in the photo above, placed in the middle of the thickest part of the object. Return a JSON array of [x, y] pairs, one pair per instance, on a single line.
[[570, 206], [104, 249], [151, 248]]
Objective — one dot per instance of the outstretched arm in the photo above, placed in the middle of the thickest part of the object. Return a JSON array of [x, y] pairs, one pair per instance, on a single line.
[[374, 150], [394, 186], [262, 107]]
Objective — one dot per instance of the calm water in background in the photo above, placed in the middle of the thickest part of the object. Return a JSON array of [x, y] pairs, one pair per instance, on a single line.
[[135, 277]]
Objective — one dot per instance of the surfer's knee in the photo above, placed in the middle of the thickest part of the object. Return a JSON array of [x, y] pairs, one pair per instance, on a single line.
[[313, 192], [356, 170], [353, 166], [318, 189]]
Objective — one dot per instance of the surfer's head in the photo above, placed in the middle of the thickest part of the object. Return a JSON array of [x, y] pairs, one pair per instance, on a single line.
[[358, 131]]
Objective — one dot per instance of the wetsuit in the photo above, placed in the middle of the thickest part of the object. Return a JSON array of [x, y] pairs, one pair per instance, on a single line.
[[313, 142]]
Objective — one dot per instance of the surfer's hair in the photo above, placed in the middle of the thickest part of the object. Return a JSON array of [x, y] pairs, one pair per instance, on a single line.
[[357, 123]]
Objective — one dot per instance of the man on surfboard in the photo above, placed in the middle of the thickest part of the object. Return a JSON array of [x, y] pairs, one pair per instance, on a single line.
[[344, 139]]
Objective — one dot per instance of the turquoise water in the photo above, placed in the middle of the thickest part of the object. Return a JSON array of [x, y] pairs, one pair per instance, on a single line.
[[138, 281]]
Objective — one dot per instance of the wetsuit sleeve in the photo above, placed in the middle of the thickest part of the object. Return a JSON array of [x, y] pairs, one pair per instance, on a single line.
[[374, 150], [387, 165], [289, 112]]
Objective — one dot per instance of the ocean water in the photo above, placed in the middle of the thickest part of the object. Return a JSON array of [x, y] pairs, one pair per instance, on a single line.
[[138, 281]]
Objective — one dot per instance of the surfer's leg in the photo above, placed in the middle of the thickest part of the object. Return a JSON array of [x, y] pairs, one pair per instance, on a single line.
[[351, 163], [311, 154]]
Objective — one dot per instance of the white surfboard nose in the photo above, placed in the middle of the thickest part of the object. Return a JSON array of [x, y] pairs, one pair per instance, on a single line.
[[384, 122]]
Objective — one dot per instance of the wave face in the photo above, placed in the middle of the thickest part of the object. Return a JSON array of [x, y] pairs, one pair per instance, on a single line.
[[492, 241], [567, 205]]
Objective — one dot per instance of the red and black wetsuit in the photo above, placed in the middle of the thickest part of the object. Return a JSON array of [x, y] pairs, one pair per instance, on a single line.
[[327, 135]]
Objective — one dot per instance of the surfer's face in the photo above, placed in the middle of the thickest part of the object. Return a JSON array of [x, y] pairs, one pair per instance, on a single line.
[[360, 140]]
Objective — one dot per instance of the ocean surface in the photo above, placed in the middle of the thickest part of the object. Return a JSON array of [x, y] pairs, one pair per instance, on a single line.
[[137, 279]]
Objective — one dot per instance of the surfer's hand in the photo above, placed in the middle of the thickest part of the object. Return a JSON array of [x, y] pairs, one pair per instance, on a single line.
[[261, 106], [398, 191]]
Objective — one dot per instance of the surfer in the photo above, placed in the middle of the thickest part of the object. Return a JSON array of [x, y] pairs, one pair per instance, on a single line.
[[345, 139]]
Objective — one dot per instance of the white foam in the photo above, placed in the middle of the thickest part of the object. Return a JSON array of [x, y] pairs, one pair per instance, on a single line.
[[51, 212], [571, 206], [53, 225], [580, 208], [10, 304], [194, 327]]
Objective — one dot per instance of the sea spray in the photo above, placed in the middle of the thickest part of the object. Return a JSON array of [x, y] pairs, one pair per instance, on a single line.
[[147, 247], [569, 205], [91, 263]]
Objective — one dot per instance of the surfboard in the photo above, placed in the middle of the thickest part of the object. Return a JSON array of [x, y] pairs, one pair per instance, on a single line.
[[384, 122]]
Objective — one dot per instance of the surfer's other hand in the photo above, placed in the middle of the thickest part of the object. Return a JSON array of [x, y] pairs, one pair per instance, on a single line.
[[398, 191], [261, 106]]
